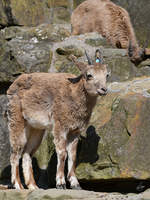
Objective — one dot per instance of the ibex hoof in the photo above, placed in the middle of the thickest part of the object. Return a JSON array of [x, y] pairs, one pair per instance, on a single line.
[[11, 186], [63, 186], [76, 187]]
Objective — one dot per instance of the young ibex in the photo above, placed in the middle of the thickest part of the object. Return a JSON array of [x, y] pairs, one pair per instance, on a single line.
[[62, 101], [112, 22]]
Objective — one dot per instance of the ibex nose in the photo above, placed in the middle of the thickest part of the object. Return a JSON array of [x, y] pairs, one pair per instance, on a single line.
[[104, 89]]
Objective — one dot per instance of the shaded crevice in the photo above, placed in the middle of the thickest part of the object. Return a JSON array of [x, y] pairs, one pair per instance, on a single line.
[[126, 113], [4, 87], [113, 162], [8, 12], [2, 26], [8, 39], [116, 185], [128, 132]]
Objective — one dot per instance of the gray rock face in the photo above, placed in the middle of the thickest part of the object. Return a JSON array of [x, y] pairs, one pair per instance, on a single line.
[[121, 122], [4, 138], [27, 49]]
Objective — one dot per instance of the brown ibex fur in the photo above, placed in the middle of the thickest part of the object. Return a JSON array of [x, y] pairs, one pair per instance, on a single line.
[[112, 22], [38, 101]]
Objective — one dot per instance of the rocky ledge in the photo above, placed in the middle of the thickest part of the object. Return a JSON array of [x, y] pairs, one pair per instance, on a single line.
[[53, 194]]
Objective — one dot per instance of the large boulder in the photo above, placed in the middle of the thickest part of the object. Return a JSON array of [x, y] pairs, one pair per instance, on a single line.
[[25, 49], [24, 12], [117, 144]]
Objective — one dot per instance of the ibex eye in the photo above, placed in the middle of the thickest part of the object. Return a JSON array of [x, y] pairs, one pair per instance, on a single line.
[[89, 76]]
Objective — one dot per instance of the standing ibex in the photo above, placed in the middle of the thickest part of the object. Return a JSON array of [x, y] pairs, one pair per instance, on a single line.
[[112, 22], [62, 101]]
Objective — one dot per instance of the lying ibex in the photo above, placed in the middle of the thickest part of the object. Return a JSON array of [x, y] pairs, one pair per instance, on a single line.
[[112, 22], [62, 101]]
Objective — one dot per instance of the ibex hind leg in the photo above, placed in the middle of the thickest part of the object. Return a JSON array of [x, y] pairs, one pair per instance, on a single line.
[[17, 139], [34, 141], [15, 177]]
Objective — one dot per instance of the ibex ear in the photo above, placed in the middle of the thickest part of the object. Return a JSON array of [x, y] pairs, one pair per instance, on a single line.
[[81, 66], [98, 57], [76, 79]]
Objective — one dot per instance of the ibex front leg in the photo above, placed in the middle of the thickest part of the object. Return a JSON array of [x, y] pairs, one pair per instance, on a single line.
[[72, 149], [60, 144]]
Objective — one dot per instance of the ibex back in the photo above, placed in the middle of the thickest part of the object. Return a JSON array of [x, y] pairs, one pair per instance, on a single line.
[[112, 22], [62, 101]]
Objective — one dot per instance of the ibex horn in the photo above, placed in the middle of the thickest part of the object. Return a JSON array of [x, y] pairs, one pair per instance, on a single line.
[[130, 49], [98, 56], [145, 49], [88, 58]]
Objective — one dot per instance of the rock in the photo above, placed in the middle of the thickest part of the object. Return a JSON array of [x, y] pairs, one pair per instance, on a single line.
[[117, 145], [9, 65], [4, 140], [34, 12], [28, 49], [54, 194], [27, 13], [146, 195], [14, 194]]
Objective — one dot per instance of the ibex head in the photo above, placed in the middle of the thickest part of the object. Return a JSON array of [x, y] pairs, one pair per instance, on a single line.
[[94, 74], [137, 54]]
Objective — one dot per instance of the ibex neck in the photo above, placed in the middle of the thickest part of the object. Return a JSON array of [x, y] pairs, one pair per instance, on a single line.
[[91, 102]]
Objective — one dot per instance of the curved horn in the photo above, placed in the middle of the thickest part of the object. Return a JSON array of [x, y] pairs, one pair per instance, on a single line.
[[146, 50], [146, 44], [88, 58], [98, 56], [142, 52], [130, 49]]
